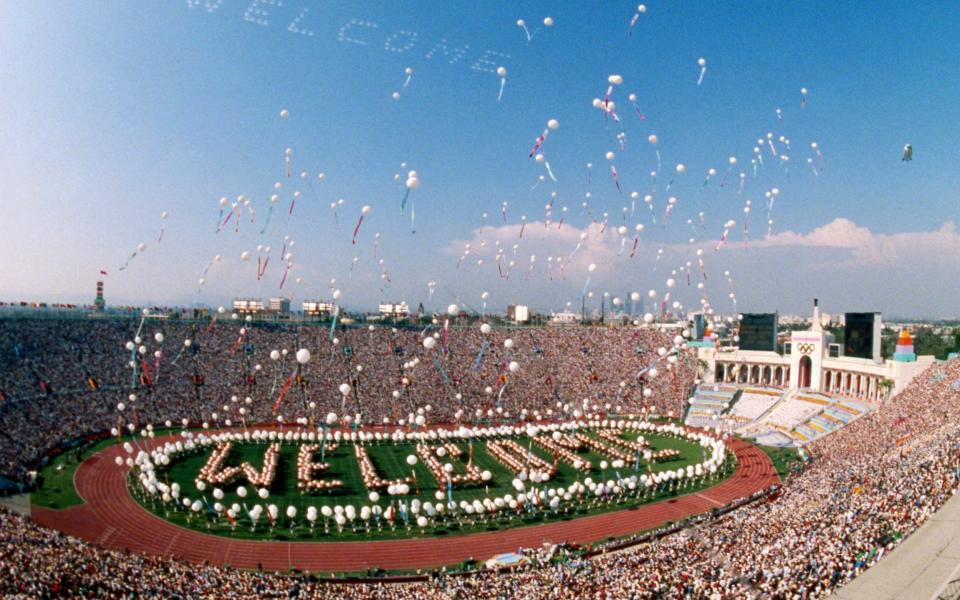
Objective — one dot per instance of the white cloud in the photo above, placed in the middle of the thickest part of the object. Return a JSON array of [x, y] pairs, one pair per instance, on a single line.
[[863, 247], [848, 264]]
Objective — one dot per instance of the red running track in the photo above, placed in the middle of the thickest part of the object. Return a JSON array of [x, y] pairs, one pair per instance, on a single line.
[[113, 519]]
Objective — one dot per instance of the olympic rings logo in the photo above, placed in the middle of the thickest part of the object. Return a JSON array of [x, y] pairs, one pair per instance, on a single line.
[[805, 348]]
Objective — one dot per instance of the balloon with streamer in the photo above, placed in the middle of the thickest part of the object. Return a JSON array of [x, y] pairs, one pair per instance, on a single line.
[[648, 200], [542, 159], [273, 200], [746, 224], [334, 206], [235, 210], [583, 237], [263, 262], [640, 10], [636, 107], [816, 148], [249, 206], [163, 223], [306, 177], [907, 152], [803, 98], [622, 232], [726, 230], [293, 202], [636, 240], [223, 204], [547, 21], [671, 203], [502, 73], [586, 284], [613, 172], [654, 140], [538, 142], [140, 248], [288, 264], [206, 269], [732, 161], [681, 169], [523, 25], [409, 73], [413, 182], [703, 69], [711, 172], [612, 81]]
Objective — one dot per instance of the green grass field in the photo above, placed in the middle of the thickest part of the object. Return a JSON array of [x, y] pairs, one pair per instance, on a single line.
[[389, 460], [783, 459], [56, 479]]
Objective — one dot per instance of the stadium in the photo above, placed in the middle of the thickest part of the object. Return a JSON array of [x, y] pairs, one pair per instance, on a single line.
[[459, 300], [97, 495]]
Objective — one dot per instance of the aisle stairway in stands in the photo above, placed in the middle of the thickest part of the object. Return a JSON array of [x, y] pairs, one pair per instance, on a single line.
[[771, 416]]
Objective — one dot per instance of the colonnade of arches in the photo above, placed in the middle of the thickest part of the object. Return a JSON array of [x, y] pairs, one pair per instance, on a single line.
[[856, 385], [836, 382], [772, 375]]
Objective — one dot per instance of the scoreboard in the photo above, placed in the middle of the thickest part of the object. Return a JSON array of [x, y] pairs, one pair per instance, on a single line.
[[861, 335], [758, 331]]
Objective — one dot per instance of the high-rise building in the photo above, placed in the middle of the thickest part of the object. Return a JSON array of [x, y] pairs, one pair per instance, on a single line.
[[518, 313], [280, 305], [861, 335]]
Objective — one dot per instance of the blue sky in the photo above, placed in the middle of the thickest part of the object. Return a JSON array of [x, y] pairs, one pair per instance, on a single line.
[[111, 113]]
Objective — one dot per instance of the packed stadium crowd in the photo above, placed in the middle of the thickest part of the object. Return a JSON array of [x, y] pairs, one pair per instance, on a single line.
[[63, 379], [866, 487]]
